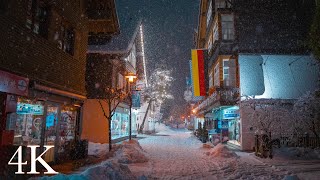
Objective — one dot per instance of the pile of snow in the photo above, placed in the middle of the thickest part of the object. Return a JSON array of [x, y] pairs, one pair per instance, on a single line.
[[131, 152], [207, 145], [297, 153], [97, 149], [221, 150], [108, 170]]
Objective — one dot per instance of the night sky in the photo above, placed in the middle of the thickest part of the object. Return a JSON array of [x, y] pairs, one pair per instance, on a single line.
[[168, 31]]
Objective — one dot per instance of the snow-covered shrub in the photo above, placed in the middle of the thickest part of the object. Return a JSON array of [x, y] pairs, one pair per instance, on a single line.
[[269, 116], [307, 113], [131, 152], [223, 151]]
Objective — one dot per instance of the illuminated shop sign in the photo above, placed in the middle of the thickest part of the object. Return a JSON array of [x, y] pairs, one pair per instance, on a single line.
[[230, 113], [35, 109]]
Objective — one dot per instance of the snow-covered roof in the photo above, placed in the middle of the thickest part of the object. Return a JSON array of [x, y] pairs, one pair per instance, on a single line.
[[277, 76]]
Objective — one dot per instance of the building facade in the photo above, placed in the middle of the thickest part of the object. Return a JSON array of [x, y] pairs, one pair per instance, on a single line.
[[107, 67], [42, 67], [239, 42]]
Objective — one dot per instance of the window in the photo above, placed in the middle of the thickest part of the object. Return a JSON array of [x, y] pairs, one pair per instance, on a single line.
[[209, 45], [222, 4], [120, 81], [226, 72], [215, 32], [211, 79], [227, 26], [3, 5], [98, 9], [216, 76], [65, 37], [209, 13], [37, 17]]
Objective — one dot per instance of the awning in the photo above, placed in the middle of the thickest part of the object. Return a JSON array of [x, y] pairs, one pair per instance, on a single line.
[[59, 92]]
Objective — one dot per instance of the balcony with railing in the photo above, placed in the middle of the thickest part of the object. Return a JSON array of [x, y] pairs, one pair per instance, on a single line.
[[221, 97], [102, 17]]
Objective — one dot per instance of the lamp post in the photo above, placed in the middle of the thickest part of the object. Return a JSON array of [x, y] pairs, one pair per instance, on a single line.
[[131, 77]]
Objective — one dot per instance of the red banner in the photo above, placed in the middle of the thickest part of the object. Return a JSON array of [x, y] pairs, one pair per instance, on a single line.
[[13, 84]]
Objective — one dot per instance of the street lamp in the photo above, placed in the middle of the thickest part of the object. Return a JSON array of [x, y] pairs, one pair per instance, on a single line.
[[131, 77]]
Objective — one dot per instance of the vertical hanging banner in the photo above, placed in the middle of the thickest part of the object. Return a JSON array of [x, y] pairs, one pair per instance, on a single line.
[[198, 72]]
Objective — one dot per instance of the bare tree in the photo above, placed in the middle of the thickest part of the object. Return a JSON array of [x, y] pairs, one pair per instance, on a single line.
[[112, 97]]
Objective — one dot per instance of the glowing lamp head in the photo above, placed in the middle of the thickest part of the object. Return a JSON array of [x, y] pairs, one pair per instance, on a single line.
[[131, 77], [194, 111]]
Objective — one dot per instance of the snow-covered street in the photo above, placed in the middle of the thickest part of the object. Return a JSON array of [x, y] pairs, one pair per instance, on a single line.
[[176, 154]]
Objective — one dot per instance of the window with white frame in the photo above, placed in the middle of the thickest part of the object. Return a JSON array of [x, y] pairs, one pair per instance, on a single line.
[[209, 13], [227, 26], [216, 76], [226, 72]]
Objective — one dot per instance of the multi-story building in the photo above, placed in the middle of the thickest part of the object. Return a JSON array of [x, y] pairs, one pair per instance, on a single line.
[[240, 37], [107, 66], [42, 70]]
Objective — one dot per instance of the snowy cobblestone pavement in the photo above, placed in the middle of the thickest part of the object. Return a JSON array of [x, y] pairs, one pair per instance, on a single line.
[[176, 154]]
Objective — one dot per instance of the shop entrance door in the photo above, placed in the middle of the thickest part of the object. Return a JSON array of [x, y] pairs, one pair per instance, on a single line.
[[51, 128]]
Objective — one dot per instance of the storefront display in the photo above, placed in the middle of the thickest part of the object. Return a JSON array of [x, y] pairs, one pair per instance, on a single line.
[[27, 124], [119, 125]]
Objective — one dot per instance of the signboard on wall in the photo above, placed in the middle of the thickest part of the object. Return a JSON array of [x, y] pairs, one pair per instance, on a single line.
[[35, 109], [13, 84], [230, 113], [136, 99]]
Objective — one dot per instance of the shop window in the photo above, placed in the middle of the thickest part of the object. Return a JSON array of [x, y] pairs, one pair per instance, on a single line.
[[26, 122], [67, 127], [119, 125], [227, 26], [37, 17], [65, 36]]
